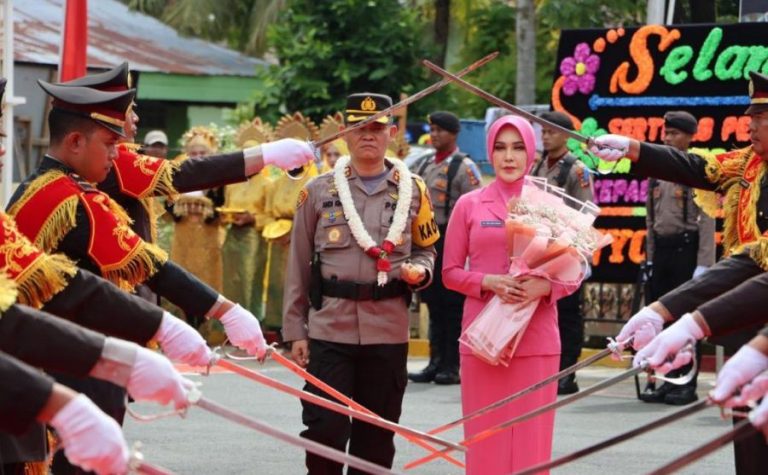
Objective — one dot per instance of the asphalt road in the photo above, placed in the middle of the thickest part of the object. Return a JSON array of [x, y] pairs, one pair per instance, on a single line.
[[203, 443]]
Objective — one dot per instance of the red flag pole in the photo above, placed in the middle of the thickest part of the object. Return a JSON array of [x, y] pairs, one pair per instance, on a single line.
[[74, 40]]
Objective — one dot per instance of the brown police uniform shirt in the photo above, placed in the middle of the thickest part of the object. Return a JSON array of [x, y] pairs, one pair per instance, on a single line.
[[320, 227], [435, 175], [578, 184], [667, 219]]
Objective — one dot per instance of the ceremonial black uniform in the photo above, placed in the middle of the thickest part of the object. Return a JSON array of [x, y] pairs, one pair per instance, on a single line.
[[721, 173]]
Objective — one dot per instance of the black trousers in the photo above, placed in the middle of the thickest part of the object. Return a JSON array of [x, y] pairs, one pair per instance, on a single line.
[[373, 375], [672, 267], [571, 325], [445, 310]]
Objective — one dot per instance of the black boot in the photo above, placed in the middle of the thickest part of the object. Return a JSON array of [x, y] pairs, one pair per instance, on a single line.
[[450, 376], [656, 395], [427, 375], [567, 385], [681, 395]]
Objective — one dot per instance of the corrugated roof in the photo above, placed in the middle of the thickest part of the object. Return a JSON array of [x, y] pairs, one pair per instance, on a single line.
[[116, 34]]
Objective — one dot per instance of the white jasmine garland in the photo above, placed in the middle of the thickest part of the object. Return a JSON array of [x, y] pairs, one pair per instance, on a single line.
[[399, 221]]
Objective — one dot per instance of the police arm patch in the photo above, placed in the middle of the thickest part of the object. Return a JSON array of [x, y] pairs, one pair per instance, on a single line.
[[424, 228], [303, 195]]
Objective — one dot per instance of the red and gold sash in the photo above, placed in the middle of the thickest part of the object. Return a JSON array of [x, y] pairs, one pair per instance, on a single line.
[[37, 275], [141, 176], [47, 211], [739, 174]]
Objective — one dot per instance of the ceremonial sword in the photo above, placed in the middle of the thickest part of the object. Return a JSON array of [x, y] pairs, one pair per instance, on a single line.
[[336, 407], [196, 399], [740, 430], [612, 349], [296, 173], [538, 411], [517, 110], [694, 408], [331, 391], [643, 366]]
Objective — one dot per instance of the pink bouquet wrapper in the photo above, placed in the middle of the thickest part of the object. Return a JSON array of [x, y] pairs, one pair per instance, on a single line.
[[553, 246]]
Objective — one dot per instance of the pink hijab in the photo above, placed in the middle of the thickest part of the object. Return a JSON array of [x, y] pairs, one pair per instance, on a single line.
[[511, 190]]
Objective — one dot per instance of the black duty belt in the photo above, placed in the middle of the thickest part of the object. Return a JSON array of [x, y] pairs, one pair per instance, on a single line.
[[345, 289], [688, 238]]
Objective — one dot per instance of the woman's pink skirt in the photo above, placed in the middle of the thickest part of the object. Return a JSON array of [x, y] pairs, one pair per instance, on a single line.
[[524, 444]]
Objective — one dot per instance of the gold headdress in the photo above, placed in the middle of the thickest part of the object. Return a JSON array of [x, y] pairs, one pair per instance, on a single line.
[[296, 126], [254, 133], [200, 135]]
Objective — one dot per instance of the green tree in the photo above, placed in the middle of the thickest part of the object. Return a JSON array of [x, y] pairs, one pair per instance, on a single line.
[[241, 24], [331, 48]]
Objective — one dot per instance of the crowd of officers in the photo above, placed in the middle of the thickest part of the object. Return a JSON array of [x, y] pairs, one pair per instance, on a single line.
[[350, 250]]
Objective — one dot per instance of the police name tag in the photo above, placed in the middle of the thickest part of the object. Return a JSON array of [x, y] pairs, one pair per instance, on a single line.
[[491, 224]]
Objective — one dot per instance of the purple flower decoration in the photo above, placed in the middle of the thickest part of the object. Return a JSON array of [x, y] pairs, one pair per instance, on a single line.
[[579, 70]]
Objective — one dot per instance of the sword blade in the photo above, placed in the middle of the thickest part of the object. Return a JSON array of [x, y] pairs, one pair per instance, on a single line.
[[336, 407], [677, 415], [502, 103], [306, 444], [405, 102], [740, 430], [544, 382], [531, 414], [331, 391]]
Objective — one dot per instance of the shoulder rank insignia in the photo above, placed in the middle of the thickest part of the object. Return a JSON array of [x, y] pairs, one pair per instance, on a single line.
[[303, 195], [473, 173]]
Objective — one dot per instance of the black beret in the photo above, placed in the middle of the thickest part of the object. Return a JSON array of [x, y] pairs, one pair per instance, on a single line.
[[445, 120], [682, 121], [560, 118]]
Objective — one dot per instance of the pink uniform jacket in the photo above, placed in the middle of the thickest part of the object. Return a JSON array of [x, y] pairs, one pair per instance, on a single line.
[[475, 245]]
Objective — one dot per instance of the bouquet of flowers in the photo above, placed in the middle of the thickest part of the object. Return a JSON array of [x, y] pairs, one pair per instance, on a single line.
[[549, 235]]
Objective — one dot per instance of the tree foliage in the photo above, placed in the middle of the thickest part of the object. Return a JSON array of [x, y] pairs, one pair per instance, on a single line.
[[332, 48]]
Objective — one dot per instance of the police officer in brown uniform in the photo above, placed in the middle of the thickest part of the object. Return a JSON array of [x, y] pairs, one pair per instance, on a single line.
[[563, 169], [448, 173], [362, 240], [680, 243]]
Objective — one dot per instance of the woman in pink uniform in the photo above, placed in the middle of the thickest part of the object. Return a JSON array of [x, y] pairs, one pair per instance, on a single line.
[[476, 263]]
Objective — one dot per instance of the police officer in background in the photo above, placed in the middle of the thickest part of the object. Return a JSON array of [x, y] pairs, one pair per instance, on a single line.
[[362, 240], [448, 173], [563, 169], [680, 244]]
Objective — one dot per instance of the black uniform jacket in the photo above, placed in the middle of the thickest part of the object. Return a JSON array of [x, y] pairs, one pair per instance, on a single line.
[[170, 281]]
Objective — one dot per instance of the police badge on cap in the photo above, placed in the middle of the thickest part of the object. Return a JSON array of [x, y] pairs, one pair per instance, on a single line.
[[365, 104], [758, 93]]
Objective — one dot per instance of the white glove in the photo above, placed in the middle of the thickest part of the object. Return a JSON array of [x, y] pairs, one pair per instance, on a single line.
[[669, 343], [753, 391], [91, 439], [699, 270], [287, 153], [632, 328], [759, 417], [739, 370], [244, 331], [610, 147], [153, 378], [181, 342]]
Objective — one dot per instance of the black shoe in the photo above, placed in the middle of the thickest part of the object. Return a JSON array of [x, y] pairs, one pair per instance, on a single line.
[[447, 377], [681, 395], [567, 385], [427, 375], [656, 395]]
